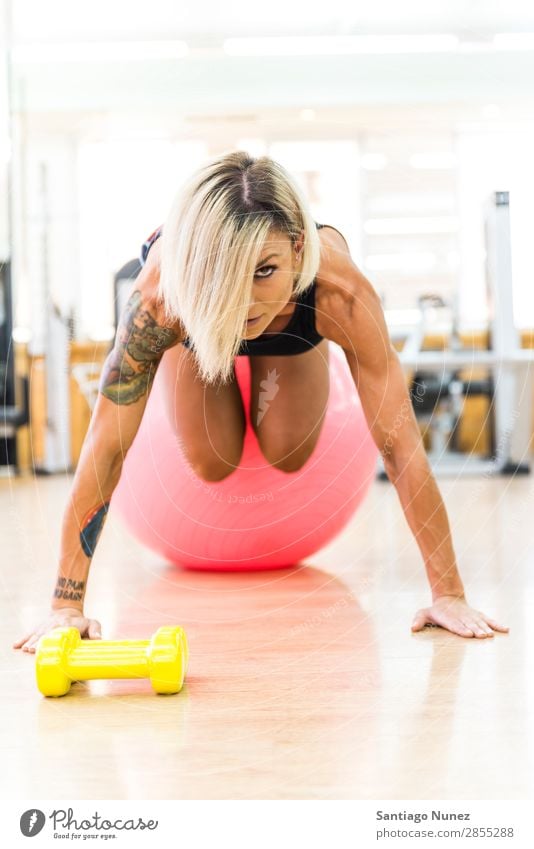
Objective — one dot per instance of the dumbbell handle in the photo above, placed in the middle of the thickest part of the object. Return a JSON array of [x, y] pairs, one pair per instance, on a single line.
[[118, 659]]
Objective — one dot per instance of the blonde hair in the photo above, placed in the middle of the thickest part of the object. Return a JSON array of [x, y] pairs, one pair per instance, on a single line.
[[211, 244]]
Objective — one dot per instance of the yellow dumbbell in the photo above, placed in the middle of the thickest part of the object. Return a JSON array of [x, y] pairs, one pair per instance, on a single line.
[[63, 657]]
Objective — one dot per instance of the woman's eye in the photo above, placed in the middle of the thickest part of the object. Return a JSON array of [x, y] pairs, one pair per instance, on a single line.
[[265, 268]]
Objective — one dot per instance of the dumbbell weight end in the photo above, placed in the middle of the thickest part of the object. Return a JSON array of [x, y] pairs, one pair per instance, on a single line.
[[62, 657]]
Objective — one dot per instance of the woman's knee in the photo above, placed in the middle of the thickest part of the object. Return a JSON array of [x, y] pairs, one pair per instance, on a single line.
[[285, 455], [212, 468]]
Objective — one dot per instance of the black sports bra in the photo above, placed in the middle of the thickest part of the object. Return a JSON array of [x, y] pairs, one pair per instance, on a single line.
[[298, 336]]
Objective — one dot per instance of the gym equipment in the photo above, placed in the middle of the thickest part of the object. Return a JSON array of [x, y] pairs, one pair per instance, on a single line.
[[53, 332], [14, 390], [122, 285], [258, 517], [438, 399], [63, 657], [87, 375], [51, 328], [510, 380]]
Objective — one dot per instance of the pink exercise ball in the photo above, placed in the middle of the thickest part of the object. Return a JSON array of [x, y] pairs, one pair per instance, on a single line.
[[258, 517]]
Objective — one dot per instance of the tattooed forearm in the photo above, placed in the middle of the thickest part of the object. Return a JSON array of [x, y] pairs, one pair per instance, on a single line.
[[144, 341], [123, 384], [92, 527], [69, 589]]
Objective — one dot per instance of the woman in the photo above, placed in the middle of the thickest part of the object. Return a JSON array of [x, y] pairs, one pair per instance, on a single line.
[[242, 269]]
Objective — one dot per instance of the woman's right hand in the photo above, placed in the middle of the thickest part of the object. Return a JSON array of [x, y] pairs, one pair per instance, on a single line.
[[70, 617]]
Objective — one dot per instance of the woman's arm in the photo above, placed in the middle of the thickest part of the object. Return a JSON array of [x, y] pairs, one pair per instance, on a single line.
[[350, 313], [125, 383]]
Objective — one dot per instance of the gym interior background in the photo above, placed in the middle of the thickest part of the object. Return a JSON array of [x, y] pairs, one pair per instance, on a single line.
[[411, 129], [99, 130]]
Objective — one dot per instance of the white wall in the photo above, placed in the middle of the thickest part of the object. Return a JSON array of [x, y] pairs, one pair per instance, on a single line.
[[105, 196], [125, 188], [490, 161]]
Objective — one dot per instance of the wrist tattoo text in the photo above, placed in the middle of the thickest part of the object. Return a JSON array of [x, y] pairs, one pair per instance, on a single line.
[[69, 589]]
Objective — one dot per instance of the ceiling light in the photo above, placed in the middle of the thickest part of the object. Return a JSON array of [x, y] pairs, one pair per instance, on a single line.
[[98, 51], [339, 45]]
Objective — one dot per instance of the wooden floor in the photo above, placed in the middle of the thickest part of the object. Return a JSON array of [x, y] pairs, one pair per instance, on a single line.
[[302, 683]]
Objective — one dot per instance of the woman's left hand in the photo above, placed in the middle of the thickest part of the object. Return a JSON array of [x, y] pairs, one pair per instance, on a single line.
[[454, 614]]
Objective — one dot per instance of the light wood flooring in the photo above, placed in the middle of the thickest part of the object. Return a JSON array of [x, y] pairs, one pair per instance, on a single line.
[[302, 683]]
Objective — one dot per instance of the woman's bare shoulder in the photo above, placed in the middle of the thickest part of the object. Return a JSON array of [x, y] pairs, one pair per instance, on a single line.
[[147, 283], [346, 303]]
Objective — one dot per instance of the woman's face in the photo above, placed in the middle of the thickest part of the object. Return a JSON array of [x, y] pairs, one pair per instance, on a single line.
[[273, 281]]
